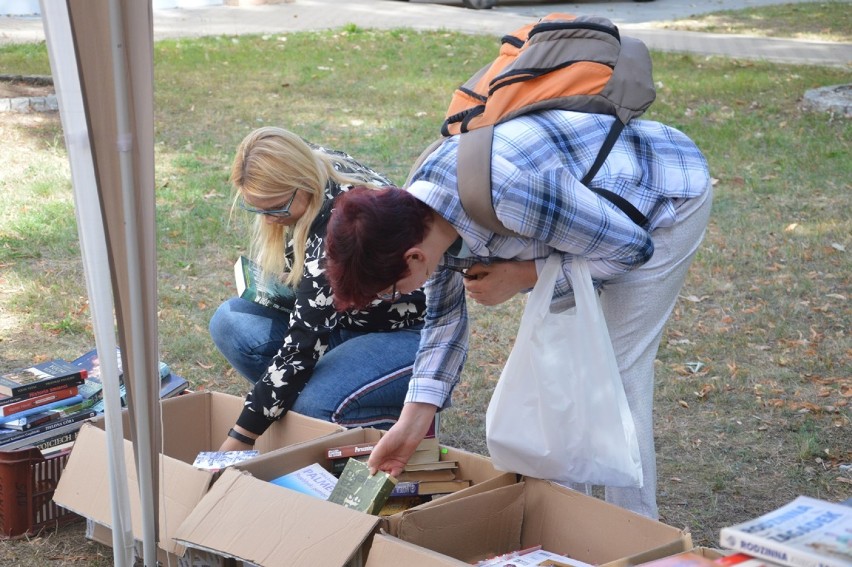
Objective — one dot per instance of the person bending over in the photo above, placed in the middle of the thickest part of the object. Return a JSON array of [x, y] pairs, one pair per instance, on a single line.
[[388, 242], [347, 367]]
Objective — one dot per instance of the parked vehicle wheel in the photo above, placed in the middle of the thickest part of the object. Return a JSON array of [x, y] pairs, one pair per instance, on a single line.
[[479, 4]]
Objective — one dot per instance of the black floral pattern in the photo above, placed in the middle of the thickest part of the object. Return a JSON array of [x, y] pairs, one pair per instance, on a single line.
[[314, 316]]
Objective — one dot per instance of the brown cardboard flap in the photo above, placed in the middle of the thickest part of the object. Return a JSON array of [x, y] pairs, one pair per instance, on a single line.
[[388, 551], [469, 529], [256, 521], [85, 489], [637, 534]]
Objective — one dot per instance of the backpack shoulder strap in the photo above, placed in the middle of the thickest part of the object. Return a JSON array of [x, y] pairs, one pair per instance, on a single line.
[[623, 204], [473, 172], [421, 158]]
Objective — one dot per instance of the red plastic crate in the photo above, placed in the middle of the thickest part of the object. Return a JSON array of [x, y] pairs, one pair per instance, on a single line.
[[27, 482]]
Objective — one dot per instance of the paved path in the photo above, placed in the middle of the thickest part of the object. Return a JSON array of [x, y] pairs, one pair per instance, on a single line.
[[637, 19]]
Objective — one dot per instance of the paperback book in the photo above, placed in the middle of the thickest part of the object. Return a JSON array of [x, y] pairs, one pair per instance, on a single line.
[[215, 461], [252, 286], [806, 532], [41, 377], [51, 405], [18, 439], [312, 480], [358, 490], [54, 395]]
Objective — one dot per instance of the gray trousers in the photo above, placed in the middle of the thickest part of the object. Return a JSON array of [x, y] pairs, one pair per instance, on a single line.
[[636, 306]]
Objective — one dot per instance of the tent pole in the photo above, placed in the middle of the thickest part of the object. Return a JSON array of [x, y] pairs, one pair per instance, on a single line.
[[124, 141]]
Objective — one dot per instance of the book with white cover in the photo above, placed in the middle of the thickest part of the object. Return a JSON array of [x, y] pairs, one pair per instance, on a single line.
[[806, 532]]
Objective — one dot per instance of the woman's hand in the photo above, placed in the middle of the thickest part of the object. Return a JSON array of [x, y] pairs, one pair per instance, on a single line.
[[232, 444], [492, 284], [396, 446]]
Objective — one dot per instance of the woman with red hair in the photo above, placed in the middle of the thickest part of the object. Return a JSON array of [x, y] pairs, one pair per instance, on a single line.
[[386, 242]]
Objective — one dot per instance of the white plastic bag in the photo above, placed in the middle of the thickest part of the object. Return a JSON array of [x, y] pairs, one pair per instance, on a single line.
[[559, 411]]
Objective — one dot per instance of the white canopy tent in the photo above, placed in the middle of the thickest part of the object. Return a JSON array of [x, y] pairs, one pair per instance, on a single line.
[[101, 57]]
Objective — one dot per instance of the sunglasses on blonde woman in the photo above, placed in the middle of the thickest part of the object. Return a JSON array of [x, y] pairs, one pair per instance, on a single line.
[[283, 212]]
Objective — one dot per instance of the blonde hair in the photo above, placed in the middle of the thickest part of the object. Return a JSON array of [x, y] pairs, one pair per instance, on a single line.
[[272, 162]]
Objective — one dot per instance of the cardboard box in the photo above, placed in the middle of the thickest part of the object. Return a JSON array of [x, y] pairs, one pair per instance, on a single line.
[[247, 518], [529, 513], [191, 423]]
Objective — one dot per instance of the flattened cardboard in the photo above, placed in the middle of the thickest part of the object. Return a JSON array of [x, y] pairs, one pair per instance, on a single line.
[[191, 423], [537, 512]]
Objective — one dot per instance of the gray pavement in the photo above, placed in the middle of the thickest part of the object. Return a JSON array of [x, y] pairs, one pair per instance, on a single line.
[[638, 19]]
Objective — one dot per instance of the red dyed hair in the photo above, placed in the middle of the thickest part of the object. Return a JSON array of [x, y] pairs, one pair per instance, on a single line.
[[368, 234]]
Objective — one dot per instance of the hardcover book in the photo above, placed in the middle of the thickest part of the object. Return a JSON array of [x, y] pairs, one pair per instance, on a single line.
[[312, 480], [41, 377], [358, 490], [806, 532], [252, 286]]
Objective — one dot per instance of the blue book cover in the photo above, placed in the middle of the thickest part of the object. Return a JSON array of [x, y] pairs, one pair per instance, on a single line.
[[312, 480], [57, 404]]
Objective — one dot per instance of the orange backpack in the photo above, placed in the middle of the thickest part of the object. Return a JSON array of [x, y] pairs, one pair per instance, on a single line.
[[563, 62]]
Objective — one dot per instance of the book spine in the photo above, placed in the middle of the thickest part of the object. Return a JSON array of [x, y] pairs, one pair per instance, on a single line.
[[41, 386], [56, 440], [17, 437], [347, 451], [6, 400], [765, 548], [37, 401], [406, 488], [51, 405]]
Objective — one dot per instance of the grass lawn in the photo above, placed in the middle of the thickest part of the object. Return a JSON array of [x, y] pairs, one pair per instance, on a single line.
[[753, 378]]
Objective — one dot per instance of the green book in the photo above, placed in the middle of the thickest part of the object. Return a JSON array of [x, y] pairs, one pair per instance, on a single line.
[[358, 490], [252, 286]]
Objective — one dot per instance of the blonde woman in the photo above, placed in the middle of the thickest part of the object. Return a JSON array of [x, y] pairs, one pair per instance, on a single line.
[[350, 367]]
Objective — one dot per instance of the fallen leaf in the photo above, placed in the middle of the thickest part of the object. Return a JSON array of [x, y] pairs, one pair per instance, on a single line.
[[683, 403], [838, 246]]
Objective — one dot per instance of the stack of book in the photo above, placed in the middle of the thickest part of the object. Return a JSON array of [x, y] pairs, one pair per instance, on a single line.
[[425, 477], [170, 383], [41, 404], [45, 405], [807, 532]]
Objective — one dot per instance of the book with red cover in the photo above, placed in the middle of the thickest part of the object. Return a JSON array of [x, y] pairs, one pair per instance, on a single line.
[[36, 401], [5, 400], [41, 377]]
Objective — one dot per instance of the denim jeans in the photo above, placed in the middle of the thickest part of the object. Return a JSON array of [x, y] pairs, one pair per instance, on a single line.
[[361, 380]]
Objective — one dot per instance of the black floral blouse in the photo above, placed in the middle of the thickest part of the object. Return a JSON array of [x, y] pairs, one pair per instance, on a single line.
[[314, 317]]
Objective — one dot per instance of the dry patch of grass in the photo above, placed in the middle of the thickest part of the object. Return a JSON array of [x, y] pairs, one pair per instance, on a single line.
[[815, 21]]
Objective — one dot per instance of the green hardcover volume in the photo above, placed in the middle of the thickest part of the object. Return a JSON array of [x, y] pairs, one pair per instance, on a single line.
[[252, 286], [358, 490]]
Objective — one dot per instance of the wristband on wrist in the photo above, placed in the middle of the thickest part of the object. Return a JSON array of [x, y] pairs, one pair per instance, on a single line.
[[240, 437]]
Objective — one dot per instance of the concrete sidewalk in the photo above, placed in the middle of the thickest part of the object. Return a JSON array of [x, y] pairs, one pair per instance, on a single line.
[[302, 15]]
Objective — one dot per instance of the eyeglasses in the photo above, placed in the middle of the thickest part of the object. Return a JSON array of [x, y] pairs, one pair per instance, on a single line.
[[281, 213], [392, 296]]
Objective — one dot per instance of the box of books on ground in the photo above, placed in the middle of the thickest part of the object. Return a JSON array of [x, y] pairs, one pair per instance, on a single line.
[[807, 532], [286, 503], [540, 516], [191, 424]]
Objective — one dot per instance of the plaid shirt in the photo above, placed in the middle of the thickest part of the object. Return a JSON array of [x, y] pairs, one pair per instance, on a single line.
[[537, 163]]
